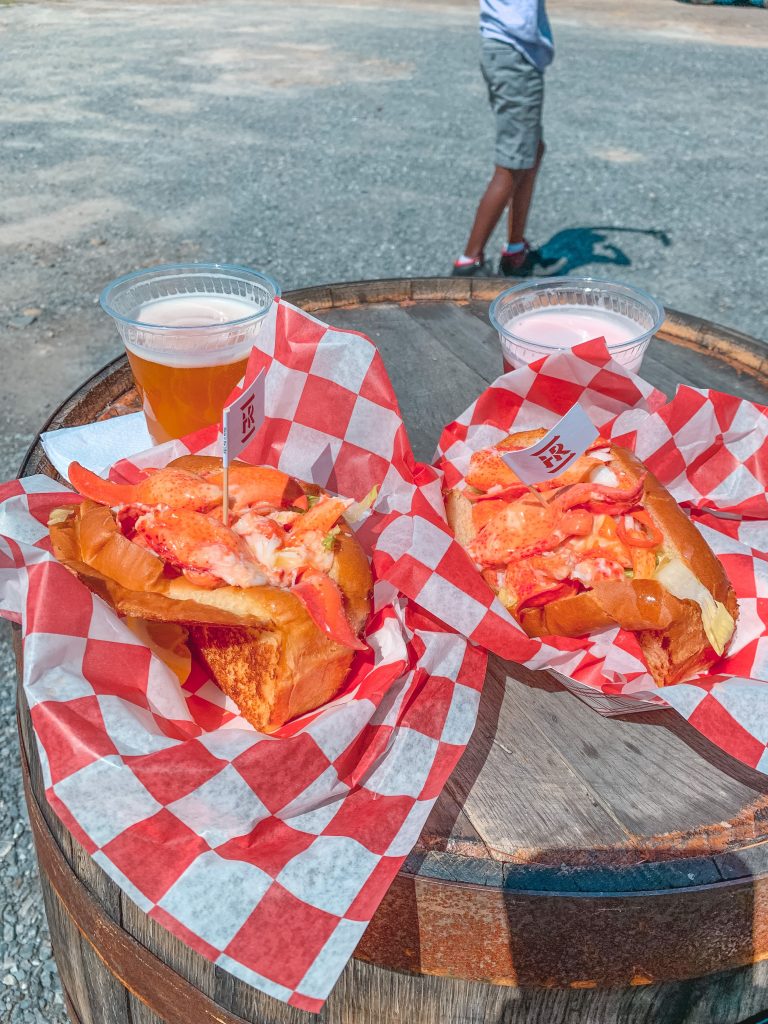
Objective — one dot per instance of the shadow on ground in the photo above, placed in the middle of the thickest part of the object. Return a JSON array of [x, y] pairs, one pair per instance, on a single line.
[[573, 248]]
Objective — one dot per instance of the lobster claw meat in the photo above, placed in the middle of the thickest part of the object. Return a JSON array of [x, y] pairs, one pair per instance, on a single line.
[[487, 469], [600, 498], [254, 486], [207, 552], [523, 528], [176, 488], [97, 489], [324, 603], [573, 523], [321, 517], [504, 494], [490, 475]]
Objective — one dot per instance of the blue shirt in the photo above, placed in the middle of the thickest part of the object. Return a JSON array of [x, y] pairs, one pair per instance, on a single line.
[[521, 23]]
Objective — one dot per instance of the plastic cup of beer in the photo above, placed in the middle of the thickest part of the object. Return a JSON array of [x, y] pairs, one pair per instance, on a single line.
[[188, 330], [552, 314]]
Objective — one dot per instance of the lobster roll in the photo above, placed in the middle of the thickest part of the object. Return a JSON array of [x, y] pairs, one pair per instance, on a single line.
[[602, 544], [273, 602]]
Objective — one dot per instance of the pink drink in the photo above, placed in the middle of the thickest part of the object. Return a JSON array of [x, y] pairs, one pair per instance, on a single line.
[[567, 326], [562, 327]]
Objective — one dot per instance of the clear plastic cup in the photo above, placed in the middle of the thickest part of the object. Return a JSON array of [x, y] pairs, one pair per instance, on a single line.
[[552, 314], [188, 330]]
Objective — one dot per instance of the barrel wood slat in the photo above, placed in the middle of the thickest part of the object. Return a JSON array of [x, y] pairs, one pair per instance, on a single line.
[[574, 868]]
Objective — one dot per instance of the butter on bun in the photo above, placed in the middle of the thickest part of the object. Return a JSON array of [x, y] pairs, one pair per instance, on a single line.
[[273, 604], [603, 544]]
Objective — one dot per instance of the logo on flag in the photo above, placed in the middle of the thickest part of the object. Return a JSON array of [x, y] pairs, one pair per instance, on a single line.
[[567, 440], [241, 420], [248, 426]]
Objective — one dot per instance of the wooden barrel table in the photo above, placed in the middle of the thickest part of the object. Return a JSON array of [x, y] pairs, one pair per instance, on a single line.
[[575, 868]]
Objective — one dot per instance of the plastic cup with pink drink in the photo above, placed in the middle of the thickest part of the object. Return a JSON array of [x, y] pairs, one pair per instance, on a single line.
[[550, 314]]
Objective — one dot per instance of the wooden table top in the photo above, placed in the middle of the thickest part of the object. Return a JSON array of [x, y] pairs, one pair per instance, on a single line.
[[547, 782], [549, 797]]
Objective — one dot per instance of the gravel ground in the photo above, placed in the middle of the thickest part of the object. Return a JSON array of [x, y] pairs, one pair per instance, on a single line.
[[28, 982], [330, 142]]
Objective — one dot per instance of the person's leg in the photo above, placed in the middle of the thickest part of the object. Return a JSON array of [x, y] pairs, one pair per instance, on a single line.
[[520, 203], [501, 192], [515, 89], [527, 148], [500, 188]]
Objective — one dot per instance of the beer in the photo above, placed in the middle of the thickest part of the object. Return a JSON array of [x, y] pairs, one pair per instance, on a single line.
[[188, 330], [185, 374], [178, 400]]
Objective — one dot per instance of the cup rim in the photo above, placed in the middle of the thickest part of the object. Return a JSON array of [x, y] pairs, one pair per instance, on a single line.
[[655, 306], [181, 268]]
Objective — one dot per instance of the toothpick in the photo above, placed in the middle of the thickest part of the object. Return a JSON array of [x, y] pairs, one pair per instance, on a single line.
[[537, 495], [225, 497]]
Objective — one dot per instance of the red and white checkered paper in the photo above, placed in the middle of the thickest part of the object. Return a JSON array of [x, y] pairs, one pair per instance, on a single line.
[[267, 854], [711, 451]]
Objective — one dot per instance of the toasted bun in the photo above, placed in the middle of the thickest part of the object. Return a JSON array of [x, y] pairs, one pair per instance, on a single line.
[[259, 643], [459, 511], [670, 631]]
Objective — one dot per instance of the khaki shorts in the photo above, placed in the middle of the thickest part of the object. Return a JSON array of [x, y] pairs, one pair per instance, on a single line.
[[516, 95]]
